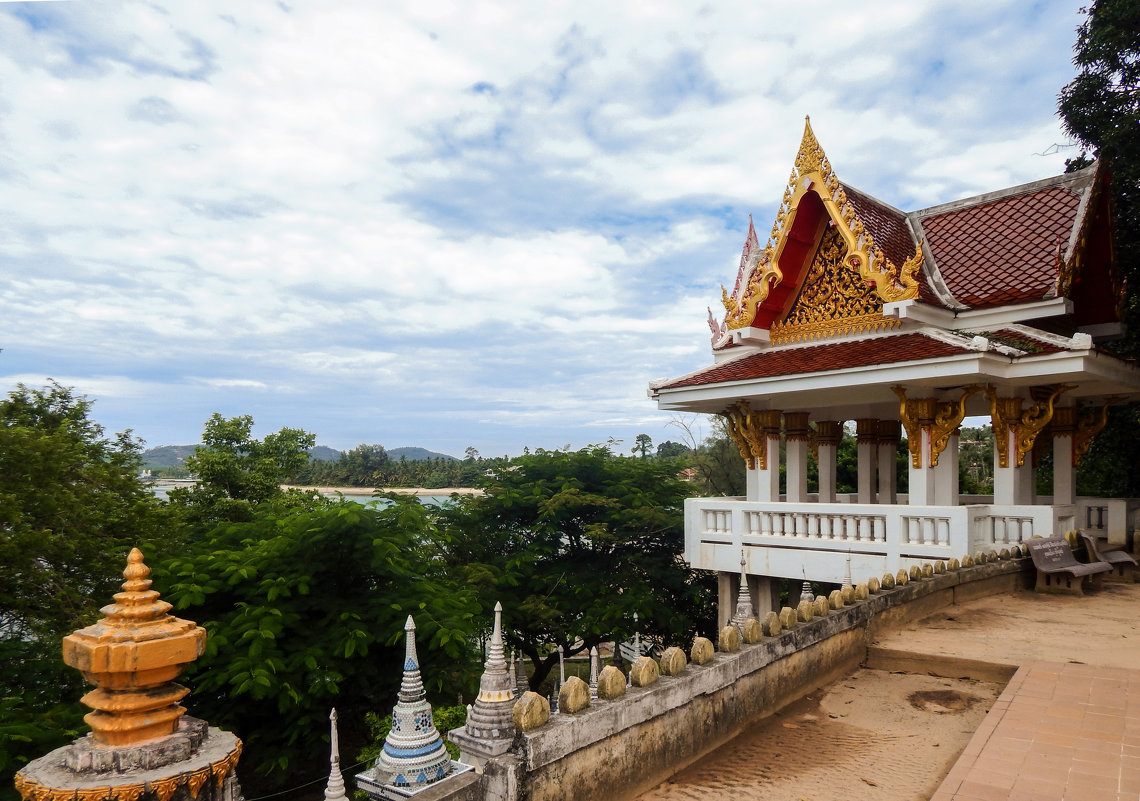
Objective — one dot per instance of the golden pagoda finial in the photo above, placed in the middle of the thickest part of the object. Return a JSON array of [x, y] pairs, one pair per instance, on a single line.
[[132, 656], [811, 156]]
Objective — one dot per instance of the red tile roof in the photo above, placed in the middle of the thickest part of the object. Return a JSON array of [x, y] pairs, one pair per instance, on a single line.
[[1022, 341], [821, 358], [887, 225], [1004, 251]]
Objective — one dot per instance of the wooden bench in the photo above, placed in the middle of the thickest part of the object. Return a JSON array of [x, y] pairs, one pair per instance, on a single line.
[[1123, 565], [1057, 569]]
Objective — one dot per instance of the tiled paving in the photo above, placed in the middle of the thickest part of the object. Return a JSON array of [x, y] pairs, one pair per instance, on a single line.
[[1059, 732]]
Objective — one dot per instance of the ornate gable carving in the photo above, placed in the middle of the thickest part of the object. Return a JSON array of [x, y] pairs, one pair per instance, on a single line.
[[833, 299], [761, 271]]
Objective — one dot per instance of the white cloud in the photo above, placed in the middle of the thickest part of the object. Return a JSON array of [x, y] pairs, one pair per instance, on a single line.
[[463, 223]]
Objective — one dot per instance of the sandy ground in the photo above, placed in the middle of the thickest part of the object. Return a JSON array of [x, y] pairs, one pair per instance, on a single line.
[[876, 736]]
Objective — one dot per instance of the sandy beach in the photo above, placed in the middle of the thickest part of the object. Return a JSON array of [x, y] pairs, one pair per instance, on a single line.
[[398, 490]]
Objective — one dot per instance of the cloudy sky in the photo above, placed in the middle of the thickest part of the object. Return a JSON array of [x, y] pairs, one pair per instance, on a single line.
[[452, 224]]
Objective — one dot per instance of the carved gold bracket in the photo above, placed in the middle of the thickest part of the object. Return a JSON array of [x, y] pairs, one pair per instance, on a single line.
[[738, 417], [947, 417], [750, 431], [1006, 416], [1088, 427], [940, 419], [915, 414]]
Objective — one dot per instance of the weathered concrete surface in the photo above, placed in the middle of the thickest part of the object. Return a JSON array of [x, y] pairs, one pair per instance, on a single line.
[[879, 746], [1100, 628], [871, 736], [618, 748]]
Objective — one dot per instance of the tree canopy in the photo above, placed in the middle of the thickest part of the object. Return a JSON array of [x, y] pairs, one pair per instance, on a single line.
[[573, 544], [237, 473], [71, 506], [306, 610], [1101, 109]]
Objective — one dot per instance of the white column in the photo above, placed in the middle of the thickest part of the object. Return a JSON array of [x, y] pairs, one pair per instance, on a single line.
[[888, 442], [946, 474], [727, 585], [828, 434], [866, 443], [922, 487], [768, 478], [1007, 480], [796, 445], [1064, 483]]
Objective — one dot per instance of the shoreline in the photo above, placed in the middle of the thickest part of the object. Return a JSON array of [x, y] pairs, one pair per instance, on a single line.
[[397, 490]]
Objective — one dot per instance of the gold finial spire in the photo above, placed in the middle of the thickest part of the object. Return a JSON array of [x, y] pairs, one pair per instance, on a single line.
[[811, 156], [132, 656]]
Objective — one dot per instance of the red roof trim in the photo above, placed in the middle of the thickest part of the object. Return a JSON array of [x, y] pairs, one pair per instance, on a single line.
[[822, 358]]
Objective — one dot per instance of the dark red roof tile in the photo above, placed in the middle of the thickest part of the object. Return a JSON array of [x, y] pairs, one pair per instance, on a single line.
[[1022, 341], [821, 358], [886, 225], [1004, 251]]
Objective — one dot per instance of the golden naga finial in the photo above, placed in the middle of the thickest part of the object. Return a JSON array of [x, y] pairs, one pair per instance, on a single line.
[[132, 656]]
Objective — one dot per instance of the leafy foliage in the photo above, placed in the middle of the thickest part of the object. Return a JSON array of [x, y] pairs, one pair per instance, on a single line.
[[573, 544], [240, 477], [306, 611], [71, 506], [1101, 109]]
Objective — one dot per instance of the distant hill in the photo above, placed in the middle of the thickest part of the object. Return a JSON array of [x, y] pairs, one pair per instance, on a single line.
[[167, 455], [175, 455], [416, 454], [320, 453]]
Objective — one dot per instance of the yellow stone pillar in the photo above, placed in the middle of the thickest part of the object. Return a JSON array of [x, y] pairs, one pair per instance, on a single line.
[[132, 656], [141, 743]]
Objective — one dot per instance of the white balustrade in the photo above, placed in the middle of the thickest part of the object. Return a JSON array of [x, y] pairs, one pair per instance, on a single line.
[[815, 539]]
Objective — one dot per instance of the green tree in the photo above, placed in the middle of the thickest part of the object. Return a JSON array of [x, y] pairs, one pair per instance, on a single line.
[[642, 445], [306, 611], [672, 450], [71, 506], [573, 544], [238, 475], [1101, 109]]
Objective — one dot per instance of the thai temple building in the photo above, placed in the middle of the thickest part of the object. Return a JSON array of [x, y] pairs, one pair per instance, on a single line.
[[856, 313]]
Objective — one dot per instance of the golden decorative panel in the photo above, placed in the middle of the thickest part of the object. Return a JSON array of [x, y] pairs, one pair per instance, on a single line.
[[947, 417], [833, 298]]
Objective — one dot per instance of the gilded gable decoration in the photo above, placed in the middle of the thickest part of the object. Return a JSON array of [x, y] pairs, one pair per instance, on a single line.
[[761, 270], [754, 280], [833, 299], [1090, 424]]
